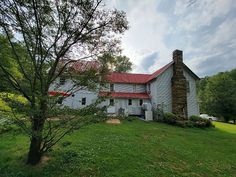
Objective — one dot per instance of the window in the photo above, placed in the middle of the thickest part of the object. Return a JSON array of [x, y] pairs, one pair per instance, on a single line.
[[60, 100], [140, 102], [83, 101], [111, 102], [149, 88], [188, 87], [130, 102], [112, 87], [62, 80]]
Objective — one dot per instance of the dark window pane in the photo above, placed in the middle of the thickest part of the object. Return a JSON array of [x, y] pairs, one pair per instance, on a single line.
[[130, 102], [111, 102], [83, 101], [140, 102], [112, 87], [62, 80]]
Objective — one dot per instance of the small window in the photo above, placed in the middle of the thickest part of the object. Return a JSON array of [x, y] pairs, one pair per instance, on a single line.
[[112, 87], [111, 102], [62, 80], [130, 102], [140, 102], [188, 87], [83, 101], [149, 88], [60, 100]]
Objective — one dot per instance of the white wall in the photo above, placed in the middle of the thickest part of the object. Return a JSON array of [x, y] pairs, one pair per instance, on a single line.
[[130, 88], [134, 109], [76, 100], [161, 90], [193, 106]]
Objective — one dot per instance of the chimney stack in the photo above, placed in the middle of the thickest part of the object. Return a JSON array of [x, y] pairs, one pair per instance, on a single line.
[[178, 56], [179, 86]]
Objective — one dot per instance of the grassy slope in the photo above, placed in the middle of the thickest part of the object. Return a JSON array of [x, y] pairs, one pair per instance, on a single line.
[[131, 149]]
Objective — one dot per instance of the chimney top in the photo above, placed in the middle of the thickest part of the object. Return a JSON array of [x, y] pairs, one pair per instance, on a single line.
[[178, 56]]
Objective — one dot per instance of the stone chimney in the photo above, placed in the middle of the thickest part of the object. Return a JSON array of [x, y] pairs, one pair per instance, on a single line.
[[179, 87]]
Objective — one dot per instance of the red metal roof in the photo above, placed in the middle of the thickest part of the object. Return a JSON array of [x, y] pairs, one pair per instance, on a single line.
[[135, 78], [56, 93], [159, 71], [128, 78], [125, 95]]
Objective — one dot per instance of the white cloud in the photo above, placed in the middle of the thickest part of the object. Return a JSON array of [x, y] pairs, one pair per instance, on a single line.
[[202, 30]]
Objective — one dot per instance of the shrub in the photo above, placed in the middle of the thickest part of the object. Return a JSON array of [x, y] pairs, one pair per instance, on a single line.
[[200, 122], [194, 121], [184, 124], [170, 118]]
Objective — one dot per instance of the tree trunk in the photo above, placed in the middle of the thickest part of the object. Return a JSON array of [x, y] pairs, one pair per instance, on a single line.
[[34, 155]]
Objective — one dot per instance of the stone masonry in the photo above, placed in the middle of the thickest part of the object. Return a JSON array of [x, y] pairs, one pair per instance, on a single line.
[[179, 87]]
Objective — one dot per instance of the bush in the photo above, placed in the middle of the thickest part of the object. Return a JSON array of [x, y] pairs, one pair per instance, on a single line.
[[200, 122], [194, 121], [170, 118], [184, 124]]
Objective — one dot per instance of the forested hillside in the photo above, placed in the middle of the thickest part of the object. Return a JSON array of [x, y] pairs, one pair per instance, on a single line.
[[217, 95]]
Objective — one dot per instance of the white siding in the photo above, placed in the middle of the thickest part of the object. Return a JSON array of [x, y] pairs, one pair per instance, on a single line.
[[132, 88], [193, 107], [134, 109], [76, 101], [161, 90]]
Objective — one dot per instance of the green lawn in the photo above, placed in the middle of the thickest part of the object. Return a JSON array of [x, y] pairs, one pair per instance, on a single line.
[[130, 149]]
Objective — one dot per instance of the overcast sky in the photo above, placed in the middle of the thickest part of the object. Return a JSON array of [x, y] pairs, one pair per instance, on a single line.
[[204, 29]]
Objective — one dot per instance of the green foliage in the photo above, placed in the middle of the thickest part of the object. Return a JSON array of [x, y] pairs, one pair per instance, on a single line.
[[9, 101], [122, 64], [217, 95], [194, 121], [103, 150], [200, 122], [119, 63], [170, 118]]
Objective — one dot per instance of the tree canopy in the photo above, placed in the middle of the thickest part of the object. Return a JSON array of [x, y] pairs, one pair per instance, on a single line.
[[117, 63], [217, 95], [52, 32]]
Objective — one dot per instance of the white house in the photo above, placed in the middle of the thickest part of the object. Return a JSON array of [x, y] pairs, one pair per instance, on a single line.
[[172, 88]]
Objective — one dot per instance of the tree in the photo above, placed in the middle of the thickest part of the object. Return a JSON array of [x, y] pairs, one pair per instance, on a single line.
[[117, 63], [7, 60], [122, 64], [218, 96], [52, 31]]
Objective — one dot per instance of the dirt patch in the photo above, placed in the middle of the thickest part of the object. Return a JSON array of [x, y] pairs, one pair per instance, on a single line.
[[44, 160], [113, 121]]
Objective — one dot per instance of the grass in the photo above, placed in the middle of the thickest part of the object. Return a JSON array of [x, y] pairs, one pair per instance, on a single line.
[[133, 148]]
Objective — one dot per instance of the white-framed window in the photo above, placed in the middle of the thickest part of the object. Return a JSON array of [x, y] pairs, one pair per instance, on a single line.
[[111, 87], [60, 100], [83, 101], [140, 102], [112, 103], [62, 80], [129, 102]]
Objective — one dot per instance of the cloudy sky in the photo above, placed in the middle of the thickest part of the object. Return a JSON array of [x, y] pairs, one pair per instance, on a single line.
[[204, 29]]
